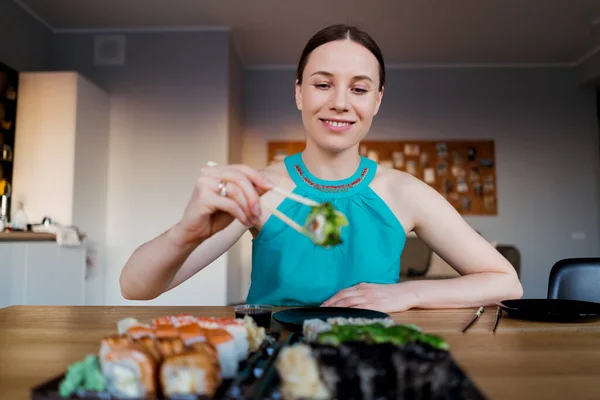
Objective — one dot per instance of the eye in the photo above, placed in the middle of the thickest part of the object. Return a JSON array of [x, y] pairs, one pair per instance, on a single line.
[[321, 86], [359, 90]]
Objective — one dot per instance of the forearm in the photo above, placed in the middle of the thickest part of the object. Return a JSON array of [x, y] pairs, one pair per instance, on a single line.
[[151, 268], [473, 290]]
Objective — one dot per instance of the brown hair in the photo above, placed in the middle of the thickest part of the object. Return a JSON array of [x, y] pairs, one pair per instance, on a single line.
[[341, 32]]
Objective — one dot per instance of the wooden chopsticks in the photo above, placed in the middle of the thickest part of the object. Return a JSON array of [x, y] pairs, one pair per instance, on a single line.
[[284, 218], [478, 314]]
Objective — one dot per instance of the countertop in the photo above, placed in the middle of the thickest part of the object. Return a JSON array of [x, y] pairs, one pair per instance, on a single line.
[[522, 360], [19, 236], [27, 237]]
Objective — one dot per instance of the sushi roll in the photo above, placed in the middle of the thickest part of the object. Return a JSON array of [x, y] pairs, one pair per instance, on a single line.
[[256, 334], [299, 373], [194, 372], [325, 224], [224, 343], [126, 323], [191, 333], [311, 328], [360, 370], [235, 328], [139, 331], [168, 347], [129, 369], [165, 331]]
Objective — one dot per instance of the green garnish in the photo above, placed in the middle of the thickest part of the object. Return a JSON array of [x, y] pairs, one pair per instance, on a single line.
[[378, 333], [85, 374], [325, 224]]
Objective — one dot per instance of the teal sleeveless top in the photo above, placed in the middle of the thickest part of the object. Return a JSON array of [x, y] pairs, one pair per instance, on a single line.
[[288, 269]]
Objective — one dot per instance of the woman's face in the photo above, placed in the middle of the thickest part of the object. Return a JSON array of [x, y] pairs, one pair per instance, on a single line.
[[339, 94]]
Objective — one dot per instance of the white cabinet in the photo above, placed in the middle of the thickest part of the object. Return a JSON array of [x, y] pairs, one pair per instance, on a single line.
[[42, 273], [60, 171]]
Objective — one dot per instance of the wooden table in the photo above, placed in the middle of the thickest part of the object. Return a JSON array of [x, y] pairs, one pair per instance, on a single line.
[[522, 360]]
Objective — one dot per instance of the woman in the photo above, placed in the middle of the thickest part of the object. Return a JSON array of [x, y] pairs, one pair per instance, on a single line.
[[339, 88]]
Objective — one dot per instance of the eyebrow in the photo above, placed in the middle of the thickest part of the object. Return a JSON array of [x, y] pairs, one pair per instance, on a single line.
[[329, 74]]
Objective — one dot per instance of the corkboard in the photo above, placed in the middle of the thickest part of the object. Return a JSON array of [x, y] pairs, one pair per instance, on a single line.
[[463, 171]]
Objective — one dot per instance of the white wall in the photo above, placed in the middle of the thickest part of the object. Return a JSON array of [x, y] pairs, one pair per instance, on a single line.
[[169, 107], [235, 272], [546, 138], [90, 180]]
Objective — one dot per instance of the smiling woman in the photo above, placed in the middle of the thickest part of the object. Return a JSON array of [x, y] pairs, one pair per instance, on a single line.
[[339, 89]]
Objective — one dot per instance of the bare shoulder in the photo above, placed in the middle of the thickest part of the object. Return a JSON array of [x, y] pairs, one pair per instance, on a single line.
[[406, 195], [403, 186], [394, 188]]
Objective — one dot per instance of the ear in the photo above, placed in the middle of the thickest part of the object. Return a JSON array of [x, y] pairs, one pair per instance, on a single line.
[[298, 96], [378, 104]]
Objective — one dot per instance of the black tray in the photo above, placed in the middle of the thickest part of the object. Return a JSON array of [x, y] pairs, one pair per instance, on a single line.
[[249, 372], [551, 310], [268, 387]]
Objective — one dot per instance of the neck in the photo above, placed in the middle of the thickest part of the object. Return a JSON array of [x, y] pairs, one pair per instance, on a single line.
[[331, 166]]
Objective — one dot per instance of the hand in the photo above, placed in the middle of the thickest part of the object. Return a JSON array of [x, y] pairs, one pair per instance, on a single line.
[[372, 296], [221, 194]]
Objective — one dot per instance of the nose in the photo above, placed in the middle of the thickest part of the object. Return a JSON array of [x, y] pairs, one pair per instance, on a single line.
[[339, 100]]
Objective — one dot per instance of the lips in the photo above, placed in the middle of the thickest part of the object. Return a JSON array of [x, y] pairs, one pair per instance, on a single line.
[[337, 123]]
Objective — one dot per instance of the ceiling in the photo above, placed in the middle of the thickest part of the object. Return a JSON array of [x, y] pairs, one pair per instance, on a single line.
[[422, 32]]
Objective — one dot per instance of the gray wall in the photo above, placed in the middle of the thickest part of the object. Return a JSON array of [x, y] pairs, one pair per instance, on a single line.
[[26, 43], [545, 133], [169, 106]]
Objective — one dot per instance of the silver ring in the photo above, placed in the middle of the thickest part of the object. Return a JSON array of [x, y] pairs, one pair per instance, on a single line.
[[222, 188]]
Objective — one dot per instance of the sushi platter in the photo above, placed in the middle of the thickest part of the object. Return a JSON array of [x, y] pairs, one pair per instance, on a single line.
[[346, 358], [187, 357], [173, 357]]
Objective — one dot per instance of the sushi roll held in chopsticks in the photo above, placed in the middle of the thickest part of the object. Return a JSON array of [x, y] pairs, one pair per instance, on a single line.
[[325, 224]]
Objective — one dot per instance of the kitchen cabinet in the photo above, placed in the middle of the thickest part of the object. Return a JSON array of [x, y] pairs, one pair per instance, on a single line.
[[42, 273]]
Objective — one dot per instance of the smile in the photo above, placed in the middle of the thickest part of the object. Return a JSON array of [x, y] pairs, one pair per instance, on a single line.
[[335, 125]]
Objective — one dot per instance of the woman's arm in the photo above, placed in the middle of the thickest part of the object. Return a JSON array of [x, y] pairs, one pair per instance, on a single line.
[[167, 261], [486, 276], [213, 220]]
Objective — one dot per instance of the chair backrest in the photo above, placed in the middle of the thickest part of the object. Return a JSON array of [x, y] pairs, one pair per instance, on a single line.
[[575, 279]]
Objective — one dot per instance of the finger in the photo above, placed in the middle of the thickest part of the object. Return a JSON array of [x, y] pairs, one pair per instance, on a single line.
[[351, 301], [248, 189], [351, 291], [368, 306], [233, 191], [255, 176], [220, 203]]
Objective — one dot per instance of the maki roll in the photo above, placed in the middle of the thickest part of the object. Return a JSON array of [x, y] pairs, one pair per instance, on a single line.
[[128, 367], [360, 370], [193, 372], [235, 328], [300, 374], [325, 224], [223, 342], [191, 333]]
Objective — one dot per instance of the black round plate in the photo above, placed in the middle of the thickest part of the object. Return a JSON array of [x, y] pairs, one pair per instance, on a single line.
[[293, 318], [551, 310]]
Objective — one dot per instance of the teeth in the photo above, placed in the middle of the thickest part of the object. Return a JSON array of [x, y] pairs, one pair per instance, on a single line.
[[337, 123]]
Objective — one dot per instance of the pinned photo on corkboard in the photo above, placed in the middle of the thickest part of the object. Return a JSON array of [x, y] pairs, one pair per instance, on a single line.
[[463, 171]]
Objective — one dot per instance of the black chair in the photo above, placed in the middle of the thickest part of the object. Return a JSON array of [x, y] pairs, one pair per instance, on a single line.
[[575, 279]]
